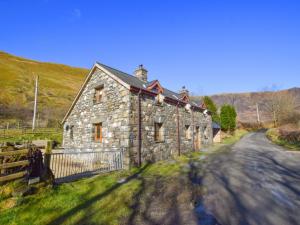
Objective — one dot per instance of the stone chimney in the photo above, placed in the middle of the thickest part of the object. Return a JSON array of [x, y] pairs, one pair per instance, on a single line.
[[184, 92], [141, 73]]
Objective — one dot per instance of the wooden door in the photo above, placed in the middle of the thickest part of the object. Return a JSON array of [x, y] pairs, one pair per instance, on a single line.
[[198, 138]]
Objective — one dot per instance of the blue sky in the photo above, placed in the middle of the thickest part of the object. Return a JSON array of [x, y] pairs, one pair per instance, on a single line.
[[208, 45]]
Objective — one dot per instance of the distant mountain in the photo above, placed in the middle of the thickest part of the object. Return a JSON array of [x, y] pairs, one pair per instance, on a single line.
[[58, 84], [245, 103]]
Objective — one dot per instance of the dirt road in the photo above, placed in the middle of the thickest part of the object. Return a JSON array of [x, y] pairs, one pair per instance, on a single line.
[[252, 182]]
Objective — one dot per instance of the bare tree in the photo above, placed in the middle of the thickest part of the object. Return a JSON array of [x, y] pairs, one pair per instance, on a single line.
[[232, 99], [281, 106]]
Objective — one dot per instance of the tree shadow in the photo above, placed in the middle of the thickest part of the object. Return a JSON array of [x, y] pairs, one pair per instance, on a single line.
[[63, 218], [251, 186]]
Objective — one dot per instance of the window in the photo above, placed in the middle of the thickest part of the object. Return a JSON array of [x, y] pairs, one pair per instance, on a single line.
[[187, 132], [205, 132], [198, 138], [71, 132], [158, 132], [97, 132], [98, 94]]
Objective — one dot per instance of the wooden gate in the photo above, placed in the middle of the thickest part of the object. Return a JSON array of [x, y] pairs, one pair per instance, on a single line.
[[17, 168]]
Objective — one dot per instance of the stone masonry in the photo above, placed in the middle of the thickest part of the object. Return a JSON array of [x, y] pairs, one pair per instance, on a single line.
[[118, 114]]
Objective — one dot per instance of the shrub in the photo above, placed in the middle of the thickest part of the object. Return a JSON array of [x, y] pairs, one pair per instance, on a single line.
[[228, 118], [209, 103]]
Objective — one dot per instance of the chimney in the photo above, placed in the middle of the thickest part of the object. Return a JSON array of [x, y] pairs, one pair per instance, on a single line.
[[184, 92], [141, 73]]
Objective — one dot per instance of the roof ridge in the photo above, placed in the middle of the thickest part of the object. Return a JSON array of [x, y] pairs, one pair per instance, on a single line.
[[127, 74], [137, 79]]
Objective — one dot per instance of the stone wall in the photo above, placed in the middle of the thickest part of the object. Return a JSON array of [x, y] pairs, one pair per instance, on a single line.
[[118, 113], [165, 113], [112, 112]]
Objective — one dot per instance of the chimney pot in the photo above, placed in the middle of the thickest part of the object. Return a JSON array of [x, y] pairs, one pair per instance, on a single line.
[[184, 92], [141, 73]]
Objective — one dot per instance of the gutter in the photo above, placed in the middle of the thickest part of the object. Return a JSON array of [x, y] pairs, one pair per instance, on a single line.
[[178, 130]]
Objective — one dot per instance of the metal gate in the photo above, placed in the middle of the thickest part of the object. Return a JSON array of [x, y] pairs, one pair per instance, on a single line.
[[73, 164]]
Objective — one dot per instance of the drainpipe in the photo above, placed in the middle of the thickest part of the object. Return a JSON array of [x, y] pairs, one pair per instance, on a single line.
[[193, 126], [139, 130], [178, 129]]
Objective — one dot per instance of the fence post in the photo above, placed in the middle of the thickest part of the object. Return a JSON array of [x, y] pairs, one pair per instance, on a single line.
[[1, 161], [47, 158]]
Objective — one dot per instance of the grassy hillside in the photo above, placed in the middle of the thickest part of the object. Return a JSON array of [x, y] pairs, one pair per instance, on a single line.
[[60, 83], [57, 87]]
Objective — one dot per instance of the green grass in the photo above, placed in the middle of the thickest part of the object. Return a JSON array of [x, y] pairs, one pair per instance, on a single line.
[[58, 85], [238, 134], [97, 200], [100, 199], [273, 135], [16, 135]]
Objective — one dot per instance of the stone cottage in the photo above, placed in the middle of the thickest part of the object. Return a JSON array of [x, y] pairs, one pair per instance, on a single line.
[[115, 110]]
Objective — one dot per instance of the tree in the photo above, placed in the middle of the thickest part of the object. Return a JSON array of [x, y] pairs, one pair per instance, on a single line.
[[228, 118], [212, 108], [282, 107]]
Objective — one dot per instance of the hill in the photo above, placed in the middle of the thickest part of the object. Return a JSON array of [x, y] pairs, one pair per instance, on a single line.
[[58, 84], [245, 103]]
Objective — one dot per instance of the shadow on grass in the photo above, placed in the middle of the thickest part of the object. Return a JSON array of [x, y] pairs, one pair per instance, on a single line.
[[63, 218]]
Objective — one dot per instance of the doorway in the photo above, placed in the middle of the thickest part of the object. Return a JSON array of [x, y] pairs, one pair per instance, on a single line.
[[198, 138]]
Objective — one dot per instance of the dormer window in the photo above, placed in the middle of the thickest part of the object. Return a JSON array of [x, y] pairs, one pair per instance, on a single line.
[[185, 98], [184, 95], [155, 87], [98, 94]]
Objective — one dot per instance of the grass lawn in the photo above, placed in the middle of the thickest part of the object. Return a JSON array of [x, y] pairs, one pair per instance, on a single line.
[[238, 134], [100, 199], [273, 135], [18, 135], [230, 139], [103, 199]]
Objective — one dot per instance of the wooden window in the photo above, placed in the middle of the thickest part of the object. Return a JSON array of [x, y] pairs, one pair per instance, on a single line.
[[188, 132], [198, 138], [158, 132], [98, 94], [98, 132]]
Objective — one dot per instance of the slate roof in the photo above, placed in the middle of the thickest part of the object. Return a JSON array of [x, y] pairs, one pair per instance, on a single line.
[[128, 79], [136, 82]]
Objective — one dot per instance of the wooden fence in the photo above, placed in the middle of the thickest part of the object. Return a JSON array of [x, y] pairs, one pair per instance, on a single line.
[[64, 165], [9, 133], [13, 170]]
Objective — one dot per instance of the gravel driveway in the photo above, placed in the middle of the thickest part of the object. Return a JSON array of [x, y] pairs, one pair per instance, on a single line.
[[252, 182]]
